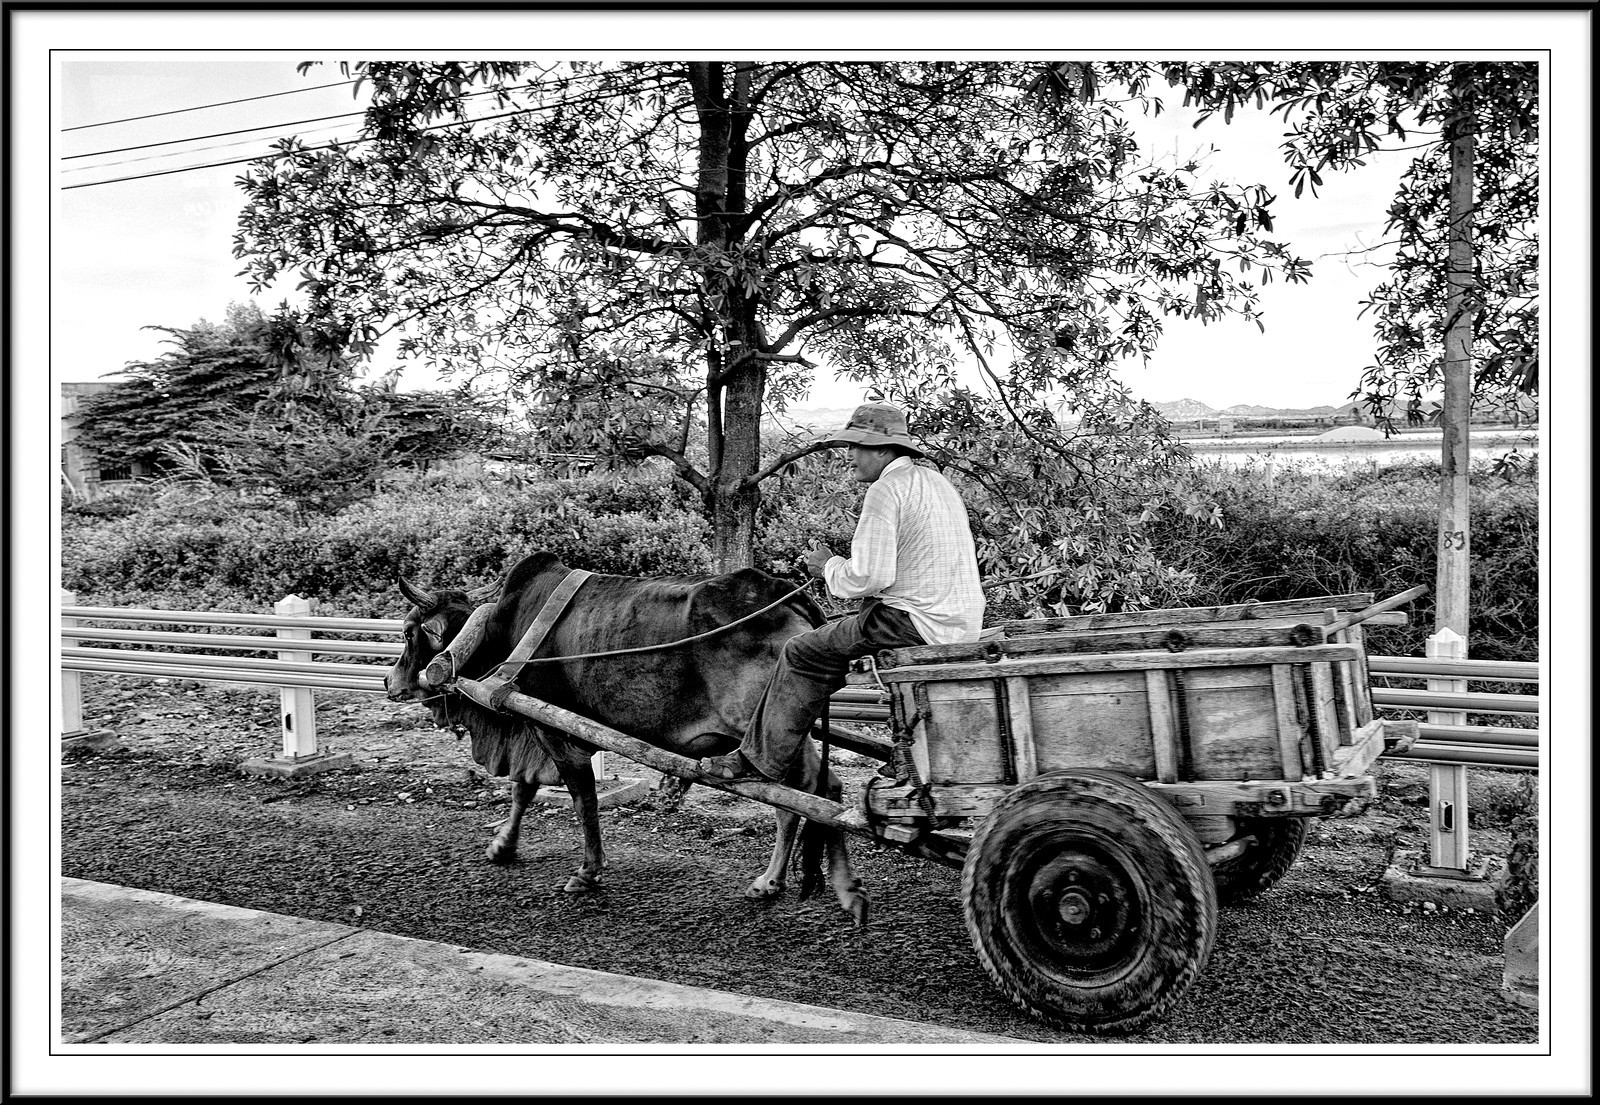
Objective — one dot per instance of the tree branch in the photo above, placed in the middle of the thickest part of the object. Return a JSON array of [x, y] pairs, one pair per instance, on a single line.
[[783, 461]]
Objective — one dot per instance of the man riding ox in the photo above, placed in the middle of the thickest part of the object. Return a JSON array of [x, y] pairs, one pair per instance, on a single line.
[[695, 698]]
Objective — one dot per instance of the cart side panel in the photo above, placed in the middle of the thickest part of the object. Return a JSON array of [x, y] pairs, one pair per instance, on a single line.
[[963, 743], [1093, 719], [1233, 723]]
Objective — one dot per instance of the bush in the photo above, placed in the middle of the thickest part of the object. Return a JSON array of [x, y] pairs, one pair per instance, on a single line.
[[201, 547], [1375, 531]]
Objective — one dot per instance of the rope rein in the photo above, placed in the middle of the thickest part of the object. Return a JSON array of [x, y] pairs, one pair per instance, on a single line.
[[666, 644]]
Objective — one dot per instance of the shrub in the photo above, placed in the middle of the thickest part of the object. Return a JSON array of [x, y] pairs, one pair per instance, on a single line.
[[1372, 531], [206, 547]]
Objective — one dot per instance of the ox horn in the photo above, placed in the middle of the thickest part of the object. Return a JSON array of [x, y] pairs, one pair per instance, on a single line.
[[415, 595], [485, 593]]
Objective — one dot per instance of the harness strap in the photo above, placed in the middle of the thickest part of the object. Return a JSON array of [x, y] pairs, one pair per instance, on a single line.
[[549, 614]]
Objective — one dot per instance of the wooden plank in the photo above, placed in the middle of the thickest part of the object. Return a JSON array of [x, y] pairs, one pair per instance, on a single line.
[[1121, 661], [1233, 730], [1344, 695], [1242, 611], [1163, 729], [1198, 799], [1247, 635], [1290, 731], [1024, 748], [1361, 675], [1326, 708], [1309, 796], [1023, 630], [1093, 720], [1226, 679], [964, 743], [1362, 752]]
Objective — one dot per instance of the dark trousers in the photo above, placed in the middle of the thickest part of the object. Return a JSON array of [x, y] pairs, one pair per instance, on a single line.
[[812, 667]]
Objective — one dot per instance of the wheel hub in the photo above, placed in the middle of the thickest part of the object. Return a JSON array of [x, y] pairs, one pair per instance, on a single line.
[[1083, 910]]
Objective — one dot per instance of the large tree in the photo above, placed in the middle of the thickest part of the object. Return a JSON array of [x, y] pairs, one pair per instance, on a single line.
[[655, 250]]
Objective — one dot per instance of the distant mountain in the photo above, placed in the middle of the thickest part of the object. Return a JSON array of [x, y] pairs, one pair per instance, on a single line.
[[813, 419], [1188, 410], [1184, 410]]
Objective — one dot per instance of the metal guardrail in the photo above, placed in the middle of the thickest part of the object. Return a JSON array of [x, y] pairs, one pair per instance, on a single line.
[[292, 665]]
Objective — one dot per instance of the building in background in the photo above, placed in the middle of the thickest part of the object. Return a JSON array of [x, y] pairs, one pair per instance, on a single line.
[[82, 475]]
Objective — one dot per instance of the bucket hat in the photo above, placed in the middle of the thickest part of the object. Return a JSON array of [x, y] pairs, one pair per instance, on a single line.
[[876, 425]]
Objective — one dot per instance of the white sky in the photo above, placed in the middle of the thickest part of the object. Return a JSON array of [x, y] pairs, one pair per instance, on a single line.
[[157, 252]]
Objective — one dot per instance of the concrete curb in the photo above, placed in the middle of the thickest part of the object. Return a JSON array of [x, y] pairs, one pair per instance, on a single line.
[[1520, 979], [139, 967]]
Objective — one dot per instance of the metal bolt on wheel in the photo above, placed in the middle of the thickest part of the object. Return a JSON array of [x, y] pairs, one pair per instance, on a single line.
[[1089, 901]]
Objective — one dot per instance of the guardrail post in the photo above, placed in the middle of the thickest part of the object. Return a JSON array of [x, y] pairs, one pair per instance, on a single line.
[[1448, 844], [1443, 875], [299, 707], [298, 711], [71, 681]]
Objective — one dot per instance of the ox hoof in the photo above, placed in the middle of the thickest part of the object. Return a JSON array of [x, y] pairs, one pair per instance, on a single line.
[[581, 884], [497, 854], [859, 907], [764, 888]]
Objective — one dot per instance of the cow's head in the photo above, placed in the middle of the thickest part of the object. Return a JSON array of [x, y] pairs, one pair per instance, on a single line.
[[432, 623]]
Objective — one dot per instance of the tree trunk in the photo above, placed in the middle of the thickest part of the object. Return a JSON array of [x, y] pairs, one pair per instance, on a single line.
[[734, 393], [1455, 530]]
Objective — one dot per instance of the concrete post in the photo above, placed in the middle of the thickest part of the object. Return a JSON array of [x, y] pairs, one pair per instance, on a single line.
[[298, 711], [1448, 844], [299, 707], [71, 681]]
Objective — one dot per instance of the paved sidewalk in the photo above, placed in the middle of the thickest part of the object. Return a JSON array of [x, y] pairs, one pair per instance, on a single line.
[[139, 967]]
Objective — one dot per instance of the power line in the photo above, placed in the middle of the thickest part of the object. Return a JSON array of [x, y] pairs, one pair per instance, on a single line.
[[307, 149], [189, 153], [244, 130], [218, 134], [203, 107]]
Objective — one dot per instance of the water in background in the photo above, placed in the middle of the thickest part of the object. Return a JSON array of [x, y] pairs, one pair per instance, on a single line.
[[1314, 453]]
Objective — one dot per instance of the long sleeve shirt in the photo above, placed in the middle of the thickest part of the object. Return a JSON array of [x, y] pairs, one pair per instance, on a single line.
[[913, 549]]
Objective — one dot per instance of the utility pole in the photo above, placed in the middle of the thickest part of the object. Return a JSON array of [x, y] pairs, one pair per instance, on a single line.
[[1447, 785], [1455, 531]]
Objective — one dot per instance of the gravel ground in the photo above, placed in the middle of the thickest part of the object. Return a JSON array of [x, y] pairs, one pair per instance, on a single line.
[[395, 843]]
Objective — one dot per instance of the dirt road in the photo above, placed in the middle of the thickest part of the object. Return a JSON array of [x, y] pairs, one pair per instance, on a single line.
[[395, 844]]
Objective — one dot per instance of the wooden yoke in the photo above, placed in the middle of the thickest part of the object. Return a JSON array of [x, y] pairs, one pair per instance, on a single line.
[[443, 667]]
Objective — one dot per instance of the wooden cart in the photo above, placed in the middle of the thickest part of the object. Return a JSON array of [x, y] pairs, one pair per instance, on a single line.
[[1124, 773], [1102, 781]]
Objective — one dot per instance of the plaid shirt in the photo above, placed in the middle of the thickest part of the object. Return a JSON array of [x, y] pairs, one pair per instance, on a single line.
[[913, 549]]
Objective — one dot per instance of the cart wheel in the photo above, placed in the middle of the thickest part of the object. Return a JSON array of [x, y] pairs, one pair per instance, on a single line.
[[1089, 901], [1258, 868]]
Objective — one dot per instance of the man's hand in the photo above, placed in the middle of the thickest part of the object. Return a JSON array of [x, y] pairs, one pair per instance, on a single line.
[[816, 559]]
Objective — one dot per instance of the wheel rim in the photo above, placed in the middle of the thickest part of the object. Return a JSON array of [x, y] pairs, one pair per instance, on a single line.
[[1076, 905]]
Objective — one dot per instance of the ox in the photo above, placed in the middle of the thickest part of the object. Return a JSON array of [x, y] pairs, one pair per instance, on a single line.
[[694, 700]]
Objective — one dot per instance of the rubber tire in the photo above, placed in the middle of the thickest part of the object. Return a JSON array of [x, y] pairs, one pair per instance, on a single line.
[[1277, 845], [1097, 830]]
